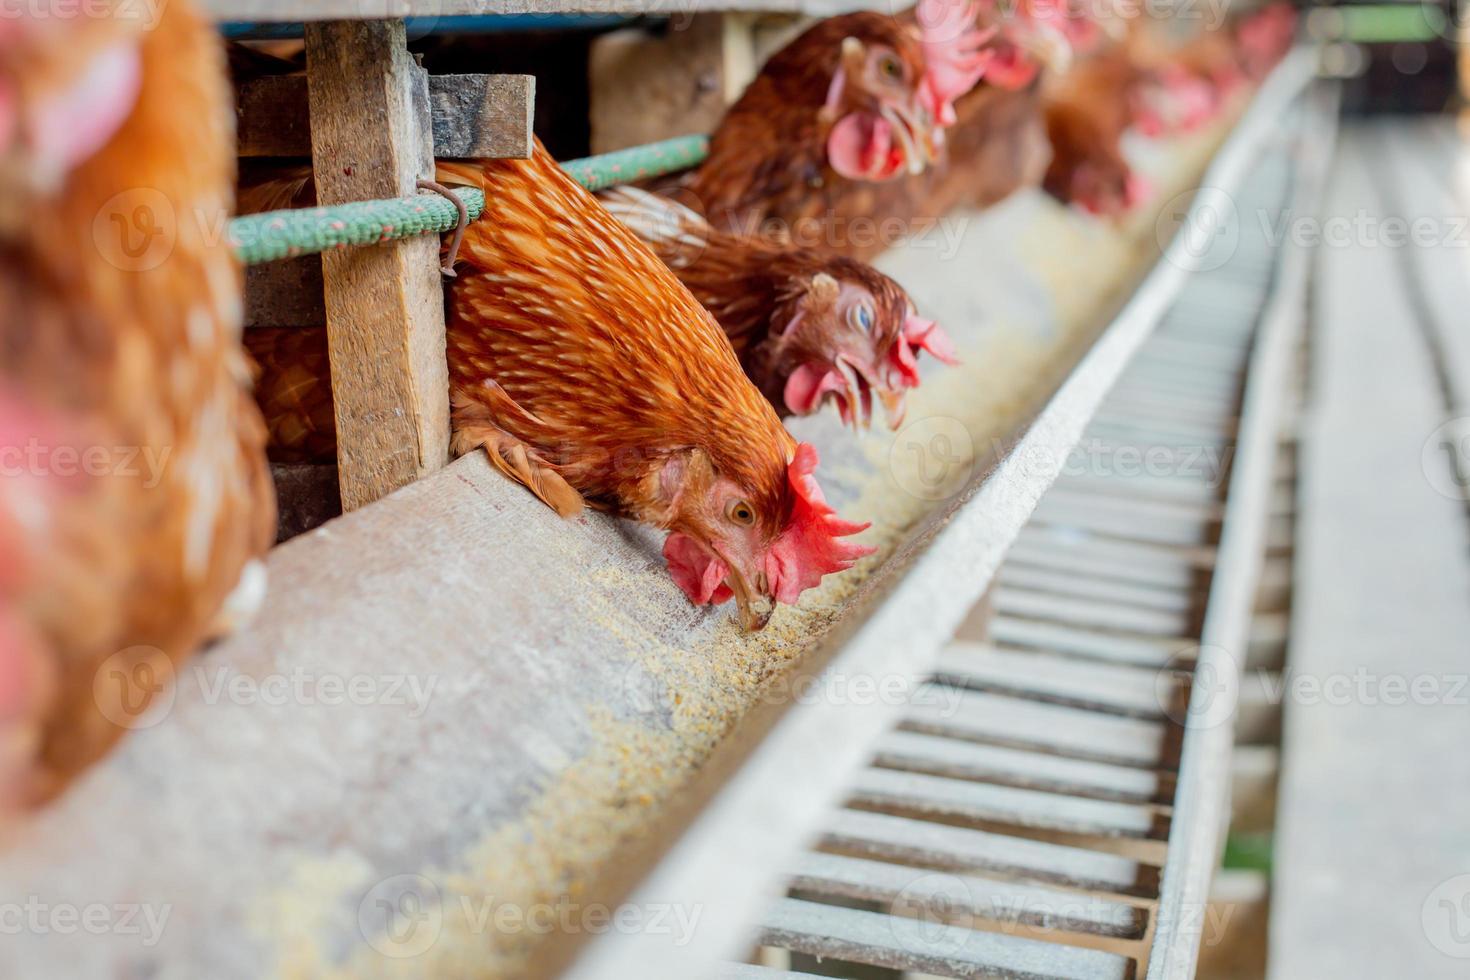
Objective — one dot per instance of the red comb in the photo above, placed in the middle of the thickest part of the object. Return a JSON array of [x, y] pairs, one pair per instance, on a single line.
[[954, 54], [918, 334], [811, 545]]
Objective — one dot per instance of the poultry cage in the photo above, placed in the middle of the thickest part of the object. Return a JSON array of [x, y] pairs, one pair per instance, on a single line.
[[989, 751]]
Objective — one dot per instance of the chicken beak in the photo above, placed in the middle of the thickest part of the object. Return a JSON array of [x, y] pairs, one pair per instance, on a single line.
[[755, 608], [915, 137], [894, 406]]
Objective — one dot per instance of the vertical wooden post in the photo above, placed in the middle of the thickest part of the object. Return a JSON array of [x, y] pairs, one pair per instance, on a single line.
[[371, 138]]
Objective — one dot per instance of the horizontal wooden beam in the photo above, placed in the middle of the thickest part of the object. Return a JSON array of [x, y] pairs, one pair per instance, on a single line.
[[482, 116]]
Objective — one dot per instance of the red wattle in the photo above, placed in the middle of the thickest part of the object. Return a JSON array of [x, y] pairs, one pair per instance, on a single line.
[[807, 385], [861, 147], [693, 569]]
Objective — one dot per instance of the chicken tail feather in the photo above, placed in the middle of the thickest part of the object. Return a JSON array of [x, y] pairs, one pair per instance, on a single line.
[[475, 428]]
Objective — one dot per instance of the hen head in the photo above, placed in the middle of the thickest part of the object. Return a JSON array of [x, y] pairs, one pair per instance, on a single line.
[[758, 545], [880, 124], [891, 86], [67, 84], [845, 332]]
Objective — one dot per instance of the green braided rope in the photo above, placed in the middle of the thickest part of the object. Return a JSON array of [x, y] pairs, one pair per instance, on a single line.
[[638, 162], [286, 234]]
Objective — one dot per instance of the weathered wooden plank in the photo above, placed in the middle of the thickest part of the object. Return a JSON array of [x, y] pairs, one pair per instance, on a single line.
[[1180, 596], [916, 793], [1114, 688], [960, 759], [1188, 388], [1178, 510], [1143, 651], [999, 720], [961, 900], [1087, 563], [1125, 527], [905, 943], [481, 116], [1144, 401], [1179, 429], [385, 304], [1126, 553], [1140, 485], [938, 845], [1102, 614]]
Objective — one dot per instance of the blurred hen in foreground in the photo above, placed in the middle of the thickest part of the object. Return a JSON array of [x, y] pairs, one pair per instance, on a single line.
[[135, 495]]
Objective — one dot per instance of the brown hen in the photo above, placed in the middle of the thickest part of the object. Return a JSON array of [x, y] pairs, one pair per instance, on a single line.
[[586, 371], [1087, 111], [852, 102]]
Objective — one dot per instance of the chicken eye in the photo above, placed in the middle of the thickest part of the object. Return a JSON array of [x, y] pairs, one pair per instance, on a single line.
[[741, 513], [890, 67], [861, 317]]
